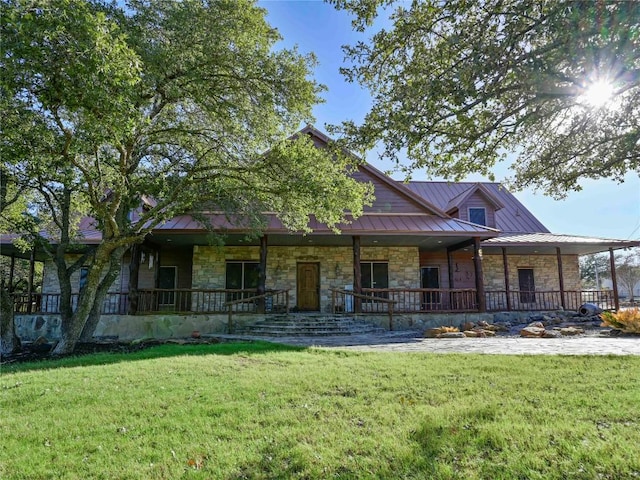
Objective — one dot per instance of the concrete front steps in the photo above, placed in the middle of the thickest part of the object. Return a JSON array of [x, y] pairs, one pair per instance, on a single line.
[[309, 325]]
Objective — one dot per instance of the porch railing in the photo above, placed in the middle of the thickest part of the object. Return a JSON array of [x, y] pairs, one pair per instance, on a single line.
[[264, 301], [407, 300], [115, 303], [547, 300], [375, 300], [361, 299], [199, 301]]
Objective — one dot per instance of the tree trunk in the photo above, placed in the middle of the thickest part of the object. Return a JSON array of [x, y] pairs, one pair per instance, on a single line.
[[96, 310], [134, 274], [10, 343], [73, 322]]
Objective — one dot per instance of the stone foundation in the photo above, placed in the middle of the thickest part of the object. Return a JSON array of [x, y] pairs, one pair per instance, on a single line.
[[128, 327]]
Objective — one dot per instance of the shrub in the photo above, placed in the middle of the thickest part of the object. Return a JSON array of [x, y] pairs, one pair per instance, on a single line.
[[626, 320]]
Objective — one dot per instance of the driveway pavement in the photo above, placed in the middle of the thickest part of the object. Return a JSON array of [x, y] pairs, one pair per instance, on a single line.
[[591, 344]]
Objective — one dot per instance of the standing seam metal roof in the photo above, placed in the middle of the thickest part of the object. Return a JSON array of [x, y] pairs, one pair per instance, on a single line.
[[514, 217]]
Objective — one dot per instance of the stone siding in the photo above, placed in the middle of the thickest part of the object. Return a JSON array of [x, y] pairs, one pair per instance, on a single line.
[[50, 283], [336, 266], [545, 271]]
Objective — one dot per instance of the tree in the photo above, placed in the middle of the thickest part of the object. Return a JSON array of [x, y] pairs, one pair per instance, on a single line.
[[105, 104], [457, 85], [628, 271], [593, 268], [11, 204]]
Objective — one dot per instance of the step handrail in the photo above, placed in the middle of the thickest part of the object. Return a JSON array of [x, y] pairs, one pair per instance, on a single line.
[[391, 303], [271, 293]]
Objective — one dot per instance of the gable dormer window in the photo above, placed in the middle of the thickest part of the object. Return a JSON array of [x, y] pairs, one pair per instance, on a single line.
[[478, 216]]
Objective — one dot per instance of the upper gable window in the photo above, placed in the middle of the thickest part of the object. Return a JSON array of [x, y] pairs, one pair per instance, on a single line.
[[478, 216]]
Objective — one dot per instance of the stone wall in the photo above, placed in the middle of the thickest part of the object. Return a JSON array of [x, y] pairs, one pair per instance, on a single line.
[[545, 271], [128, 327], [50, 278], [336, 266]]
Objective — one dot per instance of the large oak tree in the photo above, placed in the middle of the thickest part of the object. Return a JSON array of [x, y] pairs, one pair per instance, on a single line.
[[459, 84], [188, 103]]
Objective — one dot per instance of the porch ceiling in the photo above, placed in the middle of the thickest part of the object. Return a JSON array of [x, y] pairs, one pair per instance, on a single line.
[[424, 242]]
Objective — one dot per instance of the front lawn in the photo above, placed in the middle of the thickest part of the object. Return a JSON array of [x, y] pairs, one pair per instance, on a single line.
[[258, 411]]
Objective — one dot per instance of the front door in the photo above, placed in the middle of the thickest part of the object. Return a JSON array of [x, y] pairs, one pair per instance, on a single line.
[[308, 286]]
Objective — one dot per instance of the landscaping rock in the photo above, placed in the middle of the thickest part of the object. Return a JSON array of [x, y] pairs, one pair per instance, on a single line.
[[451, 335], [536, 325], [474, 333], [569, 331], [466, 326], [551, 334], [532, 331], [434, 332], [496, 327]]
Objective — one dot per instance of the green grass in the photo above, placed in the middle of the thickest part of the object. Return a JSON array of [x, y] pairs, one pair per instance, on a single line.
[[259, 411]]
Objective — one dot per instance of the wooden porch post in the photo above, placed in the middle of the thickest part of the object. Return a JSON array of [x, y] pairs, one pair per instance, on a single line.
[[134, 270], [477, 263], [357, 275], [32, 261], [507, 287], [262, 275], [450, 267], [614, 280], [561, 278]]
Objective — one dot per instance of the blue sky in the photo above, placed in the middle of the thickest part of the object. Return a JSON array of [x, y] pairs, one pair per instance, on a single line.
[[602, 209]]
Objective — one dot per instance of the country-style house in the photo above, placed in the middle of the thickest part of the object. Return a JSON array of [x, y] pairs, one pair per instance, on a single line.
[[421, 248]]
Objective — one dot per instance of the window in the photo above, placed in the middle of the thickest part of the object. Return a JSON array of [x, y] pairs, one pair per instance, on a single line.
[[242, 276], [374, 274], [478, 216], [527, 285]]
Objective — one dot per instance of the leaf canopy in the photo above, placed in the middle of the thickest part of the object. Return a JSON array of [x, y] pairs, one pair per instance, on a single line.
[[458, 85]]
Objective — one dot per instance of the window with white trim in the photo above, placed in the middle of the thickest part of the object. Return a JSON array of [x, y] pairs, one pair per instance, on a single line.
[[478, 215]]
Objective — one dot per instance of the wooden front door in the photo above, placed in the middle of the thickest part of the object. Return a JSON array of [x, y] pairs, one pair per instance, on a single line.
[[308, 291]]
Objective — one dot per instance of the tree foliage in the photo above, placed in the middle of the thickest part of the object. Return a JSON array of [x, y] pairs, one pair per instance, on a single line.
[[457, 85], [103, 104], [593, 269], [628, 272]]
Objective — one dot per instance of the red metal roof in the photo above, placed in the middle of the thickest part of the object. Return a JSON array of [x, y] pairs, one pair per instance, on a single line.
[[374, 224], [514, 217]]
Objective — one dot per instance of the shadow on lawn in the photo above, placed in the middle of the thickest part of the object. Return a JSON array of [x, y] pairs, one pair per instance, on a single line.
[[142, 351]]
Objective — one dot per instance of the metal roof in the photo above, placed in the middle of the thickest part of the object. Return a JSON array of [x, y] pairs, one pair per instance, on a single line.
[[368, 224], [548, 242], [513, 217]]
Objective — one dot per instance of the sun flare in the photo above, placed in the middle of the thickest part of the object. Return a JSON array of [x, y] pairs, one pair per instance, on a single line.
[[598, 94]]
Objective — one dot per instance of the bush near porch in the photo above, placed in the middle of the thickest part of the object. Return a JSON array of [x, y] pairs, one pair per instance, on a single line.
[[263, 411]]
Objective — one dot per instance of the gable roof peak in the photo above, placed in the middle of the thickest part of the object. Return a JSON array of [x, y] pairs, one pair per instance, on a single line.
[[477, 187]]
